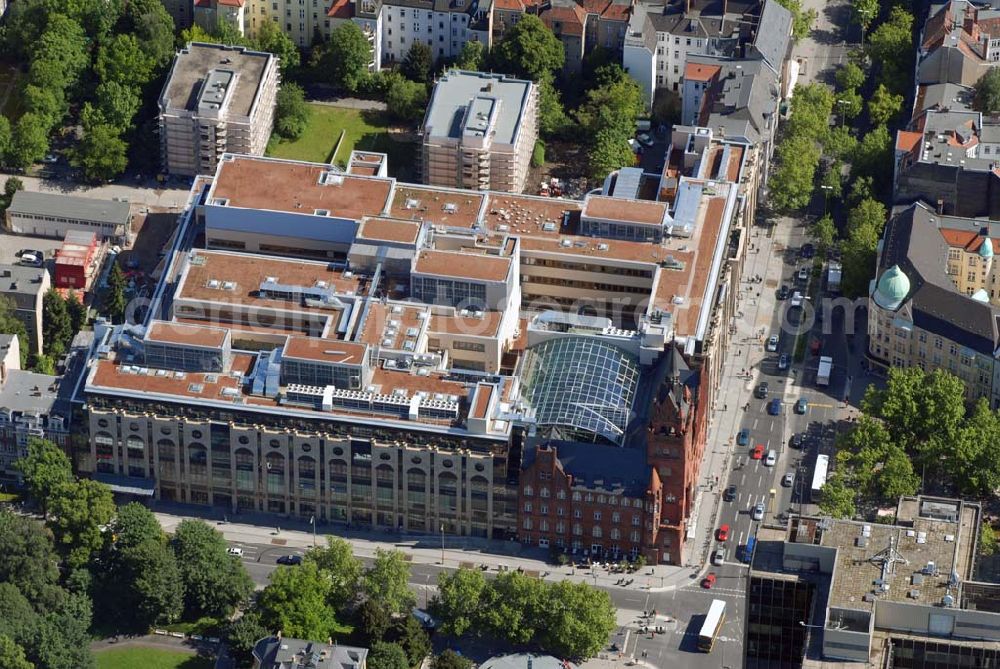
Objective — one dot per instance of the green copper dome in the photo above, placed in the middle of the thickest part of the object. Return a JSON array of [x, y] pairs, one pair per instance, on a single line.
[[892, 289], [986, 248]]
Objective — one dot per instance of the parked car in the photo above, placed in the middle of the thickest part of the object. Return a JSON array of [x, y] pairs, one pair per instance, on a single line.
[[722, 533], [788, 480], [758, 512], [730, 494], [743, 438], [644, 139], [774, 407], [235, 551], [803, 274], [783, 361], [796, 299], [772, 343], [783, 292], [290, 560], [771, 458], [796, 440], [807, 250], [762, 390], [709, 580], [802, 406], [719, 556], [757, 453]]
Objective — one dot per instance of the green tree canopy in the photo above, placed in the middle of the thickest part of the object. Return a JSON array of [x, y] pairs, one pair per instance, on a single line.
[[577, 620], [11, 324], [56, 639], [243, 634], [295, 602], [347, 57], [863, 12], [802, 19], [791, 184], [342, 569], [5, 140], [102, 155], [384, 655], [823, 233], [29, 560], [76, 310], [114, 297], [29, 140], [46, 468], [987, 92], [472, 56], [884, 106], [406, 100], [121, 60], [891, 46], [79, 510], [387, 581], [449, 659], [12, 655], [410, 636], [215, 583], [457, 603], [849, 76], [57, 329], [529, 49], [291, 116], [270, 37], [419, 62]]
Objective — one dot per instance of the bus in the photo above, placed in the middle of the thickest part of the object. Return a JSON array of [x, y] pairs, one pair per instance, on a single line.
[[712, 626], [819, 476], [748, 549]]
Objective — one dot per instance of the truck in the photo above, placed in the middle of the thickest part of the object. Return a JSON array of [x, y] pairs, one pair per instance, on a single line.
[[833, 274], [823, 373]]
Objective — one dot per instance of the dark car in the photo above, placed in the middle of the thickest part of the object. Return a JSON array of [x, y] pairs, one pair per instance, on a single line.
[[290, 560], [796, 440], [774, 407], [730, 494], [808, 250], [743, 438], [783, 292], [762, 390]]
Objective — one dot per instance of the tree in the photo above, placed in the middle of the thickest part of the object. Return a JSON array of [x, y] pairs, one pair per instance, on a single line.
[[215, 583], [140, 584], [295, 602], [609, 152], [117, 105], [837, 498], [449, 659], [347, 57], [12, 655], [890, 45], [792, 182], [418, 62], [44, 364], [457, 602], [342, 569], [405, 99], [849, 104], [45, 468], [863, 12], [873, 158], [79, 510], [823, 233], [883, 106], [530, 50], [831, 183], [29, 140], [13, 325], [577, 621], [375, 620], [986, 97], [802, 21], [411, 637], [387, 581], [868, 212], [811, 107], [243, 634], [57, 329], [840, 143], [987, 539], [270, 37], [196, 33], [153, 28], [552, 118], [121, 60], [849, 76], [11, 186], [114, 298], [76, 310], [54, 639], [864, 227], [471, 57], [512, 608], [102, 155], [29, 560], [292, 113], [5, 138], [384, 655]]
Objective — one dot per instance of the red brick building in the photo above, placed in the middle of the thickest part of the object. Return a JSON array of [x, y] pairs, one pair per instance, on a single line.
[[619, 502]]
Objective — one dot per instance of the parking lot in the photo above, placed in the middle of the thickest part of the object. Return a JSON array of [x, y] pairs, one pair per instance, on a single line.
[[11, 244]]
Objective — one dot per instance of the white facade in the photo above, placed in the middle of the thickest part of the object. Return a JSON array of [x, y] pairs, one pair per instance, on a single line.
[[445, 32]]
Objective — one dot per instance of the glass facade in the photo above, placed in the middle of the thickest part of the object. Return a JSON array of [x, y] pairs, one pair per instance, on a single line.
[[581, 388]]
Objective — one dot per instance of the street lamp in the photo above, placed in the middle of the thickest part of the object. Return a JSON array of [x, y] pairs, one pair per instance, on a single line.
[[312, 521], [841, 103], [442, 544], [826, 197]]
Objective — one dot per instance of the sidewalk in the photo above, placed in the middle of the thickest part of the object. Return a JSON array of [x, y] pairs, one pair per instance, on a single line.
[[427, 550]]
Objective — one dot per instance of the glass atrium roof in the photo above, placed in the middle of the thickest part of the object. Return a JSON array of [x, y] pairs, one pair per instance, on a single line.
[[581, 388]]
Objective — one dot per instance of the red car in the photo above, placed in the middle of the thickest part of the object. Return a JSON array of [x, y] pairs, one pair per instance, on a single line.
[[708, 581], [722, 533], [758, 452]]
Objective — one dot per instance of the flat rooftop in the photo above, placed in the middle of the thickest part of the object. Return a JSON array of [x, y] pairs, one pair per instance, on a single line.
[[530, 215], [630, 211], [192, 65], [462, 264], [322, 350], [69, 206], [300, 188], [188, 335], [389, 325], [389, 230], [440, 206], [29, 392], [460, 99], [482, 324]]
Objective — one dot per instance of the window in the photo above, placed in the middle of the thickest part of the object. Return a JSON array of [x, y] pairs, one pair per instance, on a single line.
[[635, 521], [527, 523], [527, 491], [597, 532], [543, 508], [561, 494], [616, 517], [597, 515], [527, 507], [560, 511], [577, 513], [543, 492]]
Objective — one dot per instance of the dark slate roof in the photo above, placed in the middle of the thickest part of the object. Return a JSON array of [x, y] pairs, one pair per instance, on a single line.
[[587, 463], [774, 34], [912, 240], [743, 96], [69, 206]]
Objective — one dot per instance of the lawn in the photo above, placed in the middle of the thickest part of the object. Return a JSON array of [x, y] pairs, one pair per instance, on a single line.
[[150, 658], [364, 130]]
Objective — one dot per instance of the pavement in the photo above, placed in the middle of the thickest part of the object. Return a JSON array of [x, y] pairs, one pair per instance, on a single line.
[[148, 191]]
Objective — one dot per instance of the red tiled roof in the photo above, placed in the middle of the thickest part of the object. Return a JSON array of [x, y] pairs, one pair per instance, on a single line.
[[616, 11], [907, 141], [594, 6], [573, 19], [965, 239], [700, 72], [340, 9], [231, 3], [509, 5]]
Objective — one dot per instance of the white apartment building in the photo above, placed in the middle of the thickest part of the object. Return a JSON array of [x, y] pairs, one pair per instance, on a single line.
[[217, 99], [479, 132]]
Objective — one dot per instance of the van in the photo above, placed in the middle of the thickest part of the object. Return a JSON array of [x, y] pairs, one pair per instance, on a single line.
[[771, 458]]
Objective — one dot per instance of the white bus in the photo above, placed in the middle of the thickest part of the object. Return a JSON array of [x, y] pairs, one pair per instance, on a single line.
[[712, 626], [819, 476]]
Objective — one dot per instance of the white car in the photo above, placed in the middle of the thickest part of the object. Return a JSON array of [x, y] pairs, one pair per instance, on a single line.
[[644, 139], [771, 458], [803, 274], [772, 343], [758, 512], [796, 299], [235, 551], [719, 556]]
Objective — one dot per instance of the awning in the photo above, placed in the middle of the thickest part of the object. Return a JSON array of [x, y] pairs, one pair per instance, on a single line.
[[127, 485]]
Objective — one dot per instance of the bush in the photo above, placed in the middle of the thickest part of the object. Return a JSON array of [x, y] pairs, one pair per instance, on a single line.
[[538, 154]]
